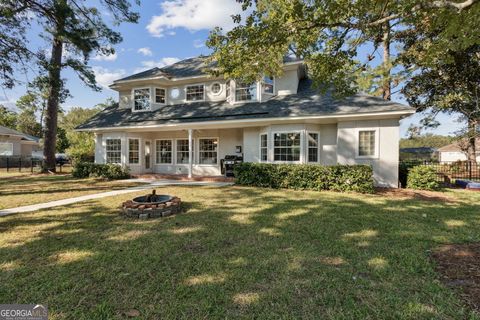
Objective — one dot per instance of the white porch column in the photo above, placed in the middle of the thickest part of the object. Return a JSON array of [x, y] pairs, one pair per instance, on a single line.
[[190, 152]]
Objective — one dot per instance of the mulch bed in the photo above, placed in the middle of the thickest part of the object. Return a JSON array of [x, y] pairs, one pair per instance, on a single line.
[[399, 193], [459, 268]]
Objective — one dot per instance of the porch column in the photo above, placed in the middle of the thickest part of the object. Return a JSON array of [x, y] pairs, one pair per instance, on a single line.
[[190, 152]]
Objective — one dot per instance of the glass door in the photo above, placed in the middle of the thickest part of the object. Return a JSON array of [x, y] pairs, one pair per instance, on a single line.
[[148, 157]]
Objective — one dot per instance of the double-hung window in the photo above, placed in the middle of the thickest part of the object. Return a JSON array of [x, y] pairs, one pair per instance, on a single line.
[[133, 151], [195, 93], [141, 99], [182, 151], [113, 150], [163, 149], [263, 147], [312, 146], [267, 85], [367, 143], [207, 150], [245, 91], [286, 146], [160, 95], [6, 149]]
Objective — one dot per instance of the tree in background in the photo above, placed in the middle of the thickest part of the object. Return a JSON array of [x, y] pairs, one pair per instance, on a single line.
[[427, 140], [27, 118], [8, 118], [75, 29]]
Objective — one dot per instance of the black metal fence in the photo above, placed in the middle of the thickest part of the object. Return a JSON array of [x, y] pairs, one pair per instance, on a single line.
[[25, 164], [447, 172]]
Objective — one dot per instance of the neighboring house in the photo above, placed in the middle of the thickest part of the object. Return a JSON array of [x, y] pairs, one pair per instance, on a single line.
[[15, 143], [452, 153], [178, 119]]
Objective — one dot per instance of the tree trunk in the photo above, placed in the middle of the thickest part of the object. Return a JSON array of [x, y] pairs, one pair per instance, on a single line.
[[54, 83], [386, 86], [471, 137]]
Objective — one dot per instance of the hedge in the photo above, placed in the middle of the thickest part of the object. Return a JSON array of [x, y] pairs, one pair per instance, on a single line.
[[357, 178], [422, 178], [107, 171]]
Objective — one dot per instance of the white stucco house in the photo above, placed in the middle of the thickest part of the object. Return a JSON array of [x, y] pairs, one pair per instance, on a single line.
[[180, 120], [16, 143], [453, 152]]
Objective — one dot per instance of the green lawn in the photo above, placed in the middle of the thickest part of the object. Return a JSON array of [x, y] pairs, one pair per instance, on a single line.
[[24, 190], [239, 252]]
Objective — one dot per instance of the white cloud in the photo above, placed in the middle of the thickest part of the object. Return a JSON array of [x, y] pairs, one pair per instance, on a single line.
[[145, 51], [103, 57], [198, 43], [193, 15], [105, 77], [149, 64]]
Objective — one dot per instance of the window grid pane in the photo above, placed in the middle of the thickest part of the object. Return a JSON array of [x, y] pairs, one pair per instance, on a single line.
[[268, 85], [246, 92], [160, 95], [141, 99], [113, 150], [366, 143], [208, 151], [133, 151], [286, 147], [195, 93], [182, 151], [263, 147], [312, 147], [163, 149]]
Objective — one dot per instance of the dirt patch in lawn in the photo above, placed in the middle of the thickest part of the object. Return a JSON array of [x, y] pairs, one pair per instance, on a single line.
[[414, 194], [459, 268]]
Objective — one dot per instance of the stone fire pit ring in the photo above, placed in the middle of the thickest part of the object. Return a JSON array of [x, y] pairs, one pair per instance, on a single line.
[[151, 206]]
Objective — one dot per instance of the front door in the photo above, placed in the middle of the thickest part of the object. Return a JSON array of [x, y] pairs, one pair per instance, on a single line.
[[148, 157]]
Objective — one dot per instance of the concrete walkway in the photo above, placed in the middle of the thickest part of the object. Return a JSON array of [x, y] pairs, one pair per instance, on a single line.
[[152, 184]]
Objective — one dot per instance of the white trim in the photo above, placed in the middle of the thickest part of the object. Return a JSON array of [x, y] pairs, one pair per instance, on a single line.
[[260, 147], [194, 85], [257, 120], [307, 147], [377, 142], [155, 96], [300, 160], [219, 92], [172, 151], [197, 150], [133, 99], [128, 151]]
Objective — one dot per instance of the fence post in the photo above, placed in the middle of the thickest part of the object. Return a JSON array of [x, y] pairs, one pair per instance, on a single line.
[[31, 165], [470, 167], [7, 164], [20, 164]]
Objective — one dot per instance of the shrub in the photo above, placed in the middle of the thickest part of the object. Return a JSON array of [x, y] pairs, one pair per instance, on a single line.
[[358, 178], [106, 171], [423, 178]]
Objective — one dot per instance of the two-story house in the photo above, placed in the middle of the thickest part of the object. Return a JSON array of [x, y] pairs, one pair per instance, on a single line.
[[180, 120]]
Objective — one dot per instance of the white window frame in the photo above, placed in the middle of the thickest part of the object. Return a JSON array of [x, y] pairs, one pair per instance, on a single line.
[[155, 95], [260, 147], [106, 151], [176, 151], [198, 152], [11, 148], [308, 148], [262, 83], [172, 151], [128, 151], [219, 92], [150, 99], [301, 146], [194, 85], [256, 99], [357, 143]]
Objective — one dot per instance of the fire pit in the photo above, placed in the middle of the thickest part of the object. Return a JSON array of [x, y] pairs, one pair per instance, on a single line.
[[151, 206]]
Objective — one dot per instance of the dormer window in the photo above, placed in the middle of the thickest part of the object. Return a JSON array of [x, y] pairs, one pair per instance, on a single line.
[[195, 93], [267, 85], [141, 99], [160, 95], [245, 91]]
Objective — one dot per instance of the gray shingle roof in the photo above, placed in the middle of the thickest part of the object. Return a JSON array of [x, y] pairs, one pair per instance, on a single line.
[[191, 67], [307, 102], [10, 132]]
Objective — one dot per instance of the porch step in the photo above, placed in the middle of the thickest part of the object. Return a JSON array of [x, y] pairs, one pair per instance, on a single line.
[[183, 177]]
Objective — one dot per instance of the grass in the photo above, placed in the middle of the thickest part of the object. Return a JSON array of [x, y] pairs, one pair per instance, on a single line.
[[239, 252], [25, 190]]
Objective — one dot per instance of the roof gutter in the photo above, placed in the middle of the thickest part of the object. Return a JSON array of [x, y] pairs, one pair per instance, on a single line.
[[181, 125]]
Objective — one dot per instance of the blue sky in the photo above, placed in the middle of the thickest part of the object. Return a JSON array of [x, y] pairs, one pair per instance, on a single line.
[[168, 31]]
